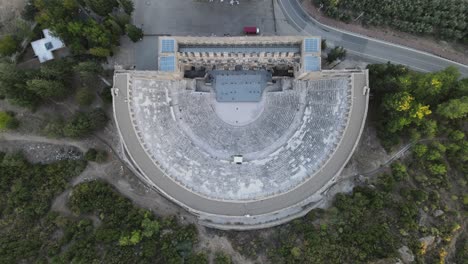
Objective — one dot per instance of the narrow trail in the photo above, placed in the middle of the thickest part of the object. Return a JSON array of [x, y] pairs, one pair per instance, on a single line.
[[8, 136], [400, 153], [93, 170], [82, 145]]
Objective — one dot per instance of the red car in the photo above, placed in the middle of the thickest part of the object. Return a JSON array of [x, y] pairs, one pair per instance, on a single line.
[[251, 30]]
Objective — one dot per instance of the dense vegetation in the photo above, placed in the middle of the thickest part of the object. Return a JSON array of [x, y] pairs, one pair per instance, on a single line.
[[86, 26], [30, 88], [53, 82], [411, 105], [424, 195], [27, 228], [81, 124], [104, 227], [445, 19]]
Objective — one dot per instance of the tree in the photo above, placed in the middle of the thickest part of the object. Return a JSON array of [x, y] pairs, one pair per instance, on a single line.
[[399, 171], [88, 67], [47, 89], [97, 35], [454, 109], [419, 150], [101, 7], [120, 18], [84, 97], [324, 44], [133, 32], [150, 227], [98, 118], [336, 53], [115, 28], [456, 135], [13, 86], [222, 258], [65, 20], [437, 168], [91, 154], [82, 124], [57, 70], [402, 110], [7, 121], [425, 17], [100, 52], [8, 45], [432, 88], [127, 6], [101, 156], [106, 94], [29, 11], [54, 128]]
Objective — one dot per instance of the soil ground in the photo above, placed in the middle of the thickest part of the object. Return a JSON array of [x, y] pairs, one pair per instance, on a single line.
[[113, 171], [28, 138], [452, 51], [9, 10]]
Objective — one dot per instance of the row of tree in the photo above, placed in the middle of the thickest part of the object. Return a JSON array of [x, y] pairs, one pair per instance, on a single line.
[[53, 81], [445, 19], [81, 124], [29, 88]]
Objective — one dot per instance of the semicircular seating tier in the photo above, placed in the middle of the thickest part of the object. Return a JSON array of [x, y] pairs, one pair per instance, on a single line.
[[297, 132]]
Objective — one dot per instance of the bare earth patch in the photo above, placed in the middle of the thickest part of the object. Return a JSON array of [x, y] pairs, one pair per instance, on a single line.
[[455, 52], [9, 10]]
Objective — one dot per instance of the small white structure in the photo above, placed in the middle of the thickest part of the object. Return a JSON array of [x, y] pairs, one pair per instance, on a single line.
[[43, 47], [238, 159]]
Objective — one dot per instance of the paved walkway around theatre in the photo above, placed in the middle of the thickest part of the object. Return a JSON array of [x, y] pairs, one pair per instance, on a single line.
[[257, 211]]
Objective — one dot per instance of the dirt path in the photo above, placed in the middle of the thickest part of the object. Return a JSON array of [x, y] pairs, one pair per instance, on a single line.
[[9, 10], [455, 52], [115, 173], [81, 145]]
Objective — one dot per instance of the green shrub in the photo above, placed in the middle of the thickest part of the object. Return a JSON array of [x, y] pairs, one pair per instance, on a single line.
[[84, 97], [101, 7], [8, 45], [8, 121], [133, 32], [101, 156], [335, 54], [91, 154], [106, 95], [100, 52], [127, 6], [222, 258], [81, 124]]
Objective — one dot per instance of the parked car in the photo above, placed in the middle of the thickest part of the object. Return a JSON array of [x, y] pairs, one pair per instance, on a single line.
[[251, 30]]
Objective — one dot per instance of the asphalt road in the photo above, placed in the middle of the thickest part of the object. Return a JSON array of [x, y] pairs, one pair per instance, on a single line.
[[375, 50]]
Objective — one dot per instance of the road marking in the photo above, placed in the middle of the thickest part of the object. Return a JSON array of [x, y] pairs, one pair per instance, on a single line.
[[385, 60], [376, 40], [288, 15], [352, 51]]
